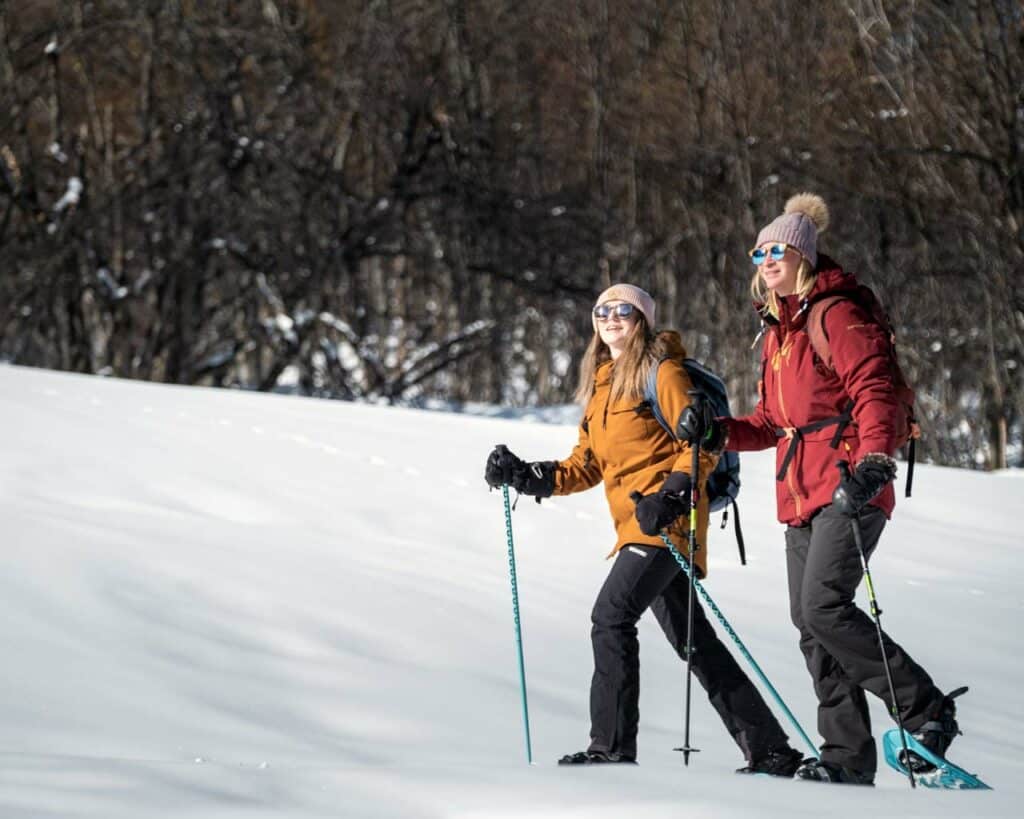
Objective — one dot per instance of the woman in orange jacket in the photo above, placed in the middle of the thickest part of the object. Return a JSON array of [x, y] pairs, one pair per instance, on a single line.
[[621, 444]]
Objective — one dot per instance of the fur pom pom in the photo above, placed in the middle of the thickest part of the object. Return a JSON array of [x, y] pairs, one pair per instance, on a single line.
[[812, 206]]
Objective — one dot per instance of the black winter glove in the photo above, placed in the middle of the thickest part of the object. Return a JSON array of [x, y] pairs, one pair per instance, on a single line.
[[504, 467], [698, 423], [663, 508], [856, 490], [501, 466], [537, 479]]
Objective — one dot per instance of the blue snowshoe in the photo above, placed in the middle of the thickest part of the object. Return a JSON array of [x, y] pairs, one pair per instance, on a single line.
[[940, 773], [926, 749]]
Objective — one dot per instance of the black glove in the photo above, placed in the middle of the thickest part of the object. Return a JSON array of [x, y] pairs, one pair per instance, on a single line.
[[697, 423], [663, 508], [856, 490], [537, 479], [501, 466]]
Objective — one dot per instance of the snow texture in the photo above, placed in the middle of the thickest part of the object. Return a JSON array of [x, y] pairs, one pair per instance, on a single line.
[[228, 604]]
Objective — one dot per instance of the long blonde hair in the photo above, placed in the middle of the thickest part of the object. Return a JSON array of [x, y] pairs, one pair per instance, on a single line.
[[805, 279], [631, 370]]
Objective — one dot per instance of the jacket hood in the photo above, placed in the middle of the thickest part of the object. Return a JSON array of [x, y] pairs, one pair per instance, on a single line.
[[831, 279], [669, 344]]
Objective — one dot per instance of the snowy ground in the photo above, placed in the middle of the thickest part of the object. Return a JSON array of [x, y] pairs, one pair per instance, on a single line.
[[220, 604]]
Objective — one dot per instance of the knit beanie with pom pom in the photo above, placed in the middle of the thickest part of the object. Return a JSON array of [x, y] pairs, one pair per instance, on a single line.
[[803, 218]]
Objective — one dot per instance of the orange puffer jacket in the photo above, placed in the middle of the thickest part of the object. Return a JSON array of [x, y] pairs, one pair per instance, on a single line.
[[623, 444]]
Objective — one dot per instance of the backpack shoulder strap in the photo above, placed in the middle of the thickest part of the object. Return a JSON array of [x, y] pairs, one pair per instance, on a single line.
[[816, 327], [651, 397]]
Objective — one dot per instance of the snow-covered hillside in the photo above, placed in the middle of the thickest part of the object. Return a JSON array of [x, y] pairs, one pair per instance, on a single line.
[[222, 604]]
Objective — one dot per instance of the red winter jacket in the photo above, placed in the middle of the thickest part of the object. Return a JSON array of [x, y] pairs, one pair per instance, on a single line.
[[796, 389]]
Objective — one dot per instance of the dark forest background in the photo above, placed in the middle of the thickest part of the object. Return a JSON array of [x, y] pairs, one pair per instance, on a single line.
[[410, 199]]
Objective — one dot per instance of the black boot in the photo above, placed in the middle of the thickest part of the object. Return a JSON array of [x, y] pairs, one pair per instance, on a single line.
[[815, 770], [938, 733], [780, 762], [595, 758]]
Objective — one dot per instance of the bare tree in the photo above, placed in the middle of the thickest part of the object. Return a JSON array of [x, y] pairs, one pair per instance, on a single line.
[[403, 199]]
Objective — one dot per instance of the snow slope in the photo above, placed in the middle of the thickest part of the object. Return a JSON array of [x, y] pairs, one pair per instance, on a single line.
[[222, 604]]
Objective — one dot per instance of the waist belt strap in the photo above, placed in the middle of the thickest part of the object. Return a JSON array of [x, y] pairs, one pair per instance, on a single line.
[[798, 436], [841, 421]]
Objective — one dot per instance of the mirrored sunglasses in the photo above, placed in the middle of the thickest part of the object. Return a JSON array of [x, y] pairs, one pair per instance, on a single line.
[[621, 310], [759, 255]]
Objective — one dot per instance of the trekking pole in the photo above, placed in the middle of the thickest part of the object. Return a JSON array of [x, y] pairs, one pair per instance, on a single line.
[[515, 613], [687, 749], [739, 644], [876, 613]]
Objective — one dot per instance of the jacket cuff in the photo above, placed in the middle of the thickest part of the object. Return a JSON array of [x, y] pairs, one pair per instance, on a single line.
[[878, 459]]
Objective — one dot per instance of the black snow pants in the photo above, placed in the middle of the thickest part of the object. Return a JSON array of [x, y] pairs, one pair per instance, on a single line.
[[840, 643], [648, 576]]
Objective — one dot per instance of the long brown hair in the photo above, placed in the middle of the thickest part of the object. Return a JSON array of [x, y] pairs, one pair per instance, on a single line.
[[631, 370]]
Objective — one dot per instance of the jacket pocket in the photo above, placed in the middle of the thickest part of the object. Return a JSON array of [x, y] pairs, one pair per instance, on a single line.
[[634, 423]]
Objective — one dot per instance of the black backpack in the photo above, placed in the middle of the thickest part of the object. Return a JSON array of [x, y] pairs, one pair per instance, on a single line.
[[723, 484]]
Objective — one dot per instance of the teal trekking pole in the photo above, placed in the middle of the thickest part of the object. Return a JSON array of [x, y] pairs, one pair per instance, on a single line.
[[515, 613], [739, 643]]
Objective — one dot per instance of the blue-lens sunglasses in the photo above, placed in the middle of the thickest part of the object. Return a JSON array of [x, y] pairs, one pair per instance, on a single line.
[[759, 255]]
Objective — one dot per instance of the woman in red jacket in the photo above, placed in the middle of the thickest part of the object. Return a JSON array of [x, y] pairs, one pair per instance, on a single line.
[[816, 416]]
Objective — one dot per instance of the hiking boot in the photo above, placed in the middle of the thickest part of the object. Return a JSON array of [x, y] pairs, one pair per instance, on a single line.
[[595, 758], [937, 734], [816, 770], [780, 762]]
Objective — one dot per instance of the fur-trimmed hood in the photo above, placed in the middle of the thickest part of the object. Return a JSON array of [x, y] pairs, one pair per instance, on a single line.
[[668, 344]]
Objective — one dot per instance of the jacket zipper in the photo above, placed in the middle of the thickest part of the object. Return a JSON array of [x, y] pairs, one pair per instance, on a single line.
[[789, 424]]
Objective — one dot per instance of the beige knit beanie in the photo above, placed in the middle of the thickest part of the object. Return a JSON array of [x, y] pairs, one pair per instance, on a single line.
[[631, 294]]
